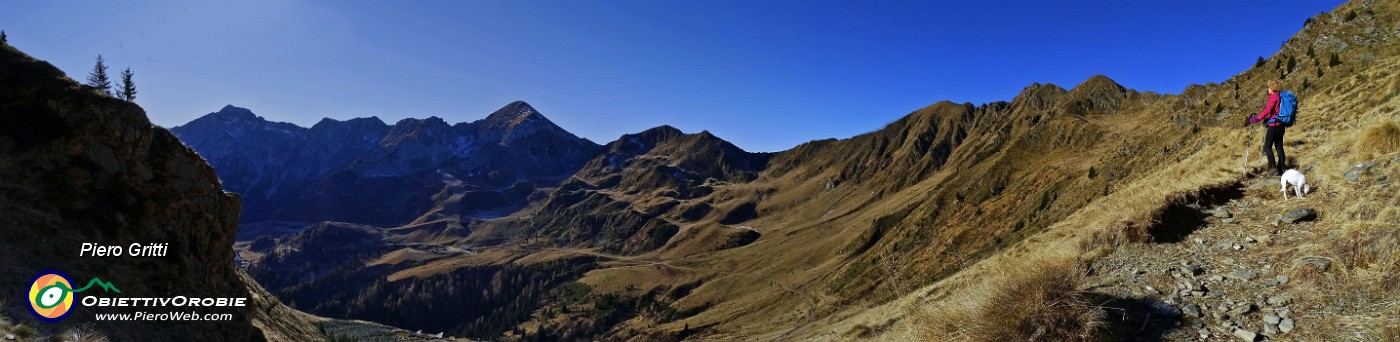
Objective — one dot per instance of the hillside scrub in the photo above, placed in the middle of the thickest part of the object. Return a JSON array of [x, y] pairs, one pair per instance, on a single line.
[[1036, 302], [1380, 138]]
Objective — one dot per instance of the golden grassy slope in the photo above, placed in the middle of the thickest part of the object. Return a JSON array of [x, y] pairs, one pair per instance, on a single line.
[[926, 219], [894, 221], [1335, 107]]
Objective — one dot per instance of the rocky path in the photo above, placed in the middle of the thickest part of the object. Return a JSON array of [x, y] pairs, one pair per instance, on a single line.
[[1229, 278]]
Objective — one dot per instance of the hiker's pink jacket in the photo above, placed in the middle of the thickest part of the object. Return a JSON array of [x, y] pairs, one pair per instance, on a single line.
[[1269, 112]]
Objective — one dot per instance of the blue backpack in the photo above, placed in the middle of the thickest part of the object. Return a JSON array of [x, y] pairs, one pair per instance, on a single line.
[[1287, 108]]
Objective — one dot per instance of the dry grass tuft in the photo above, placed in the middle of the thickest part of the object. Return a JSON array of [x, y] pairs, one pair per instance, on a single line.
[[1364, 210], [84, 333], [1310, 271], [1365, 245], [1123, 233], [1391, 214], [1390, 279], [1033, 303], [1391, 333], [1380, 138], [25, 331]]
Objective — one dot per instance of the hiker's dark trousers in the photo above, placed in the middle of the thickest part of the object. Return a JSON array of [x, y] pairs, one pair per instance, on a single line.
[[1273, 142]]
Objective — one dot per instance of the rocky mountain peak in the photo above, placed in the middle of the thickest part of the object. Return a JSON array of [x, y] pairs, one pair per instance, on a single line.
[[1038, 96], [512, 112], [234, 112], [659, 133], [238, 123], [410, 127], [641, 142], [430, 131], [414, 122], [372, 121], [514, 115], [516, 121], [228, 116], [1097, 95], [1099, 83], [699, 148]]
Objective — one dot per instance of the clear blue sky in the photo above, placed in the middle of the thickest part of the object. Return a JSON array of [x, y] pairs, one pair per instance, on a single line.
[[766, 75]]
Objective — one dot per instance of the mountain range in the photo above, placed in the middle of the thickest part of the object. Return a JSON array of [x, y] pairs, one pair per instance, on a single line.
[[665, 235], [362, 170], [1093, 212]]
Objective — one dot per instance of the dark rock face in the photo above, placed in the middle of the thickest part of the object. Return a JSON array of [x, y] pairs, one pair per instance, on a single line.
[[77, 166], [364, 171]]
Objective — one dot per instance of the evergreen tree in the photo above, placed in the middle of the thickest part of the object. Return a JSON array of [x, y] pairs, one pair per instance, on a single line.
[[98, 77], [4, 40], [128, 88]]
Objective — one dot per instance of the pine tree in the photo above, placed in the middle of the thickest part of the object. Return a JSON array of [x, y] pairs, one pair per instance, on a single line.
[[98, 77], [128, 88], [4, 39]]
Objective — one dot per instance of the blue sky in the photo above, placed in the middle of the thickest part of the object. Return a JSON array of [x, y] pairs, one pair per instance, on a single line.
[[766, 75]]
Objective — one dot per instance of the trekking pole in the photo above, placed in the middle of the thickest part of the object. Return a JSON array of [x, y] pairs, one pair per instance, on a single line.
[[1249, 139]]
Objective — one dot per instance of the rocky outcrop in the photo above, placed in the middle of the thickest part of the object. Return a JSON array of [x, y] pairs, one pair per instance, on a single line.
[[1298, 215], [79, 166]]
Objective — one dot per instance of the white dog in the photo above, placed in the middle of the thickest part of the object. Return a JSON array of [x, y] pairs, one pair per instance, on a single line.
[[1296, 179]]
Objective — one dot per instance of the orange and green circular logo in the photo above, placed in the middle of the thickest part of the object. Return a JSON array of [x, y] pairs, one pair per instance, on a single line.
[[51, 296]]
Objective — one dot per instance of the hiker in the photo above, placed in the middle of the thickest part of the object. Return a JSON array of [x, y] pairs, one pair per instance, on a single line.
[[1277, 116]]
